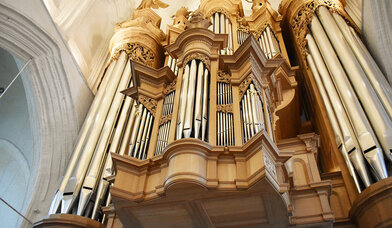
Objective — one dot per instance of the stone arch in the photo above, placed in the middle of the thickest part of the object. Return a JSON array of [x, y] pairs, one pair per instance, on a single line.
[[53, 118]]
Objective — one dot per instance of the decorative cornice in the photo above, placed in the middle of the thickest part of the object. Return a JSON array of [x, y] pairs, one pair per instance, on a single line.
[[149, 81], [207, 42]]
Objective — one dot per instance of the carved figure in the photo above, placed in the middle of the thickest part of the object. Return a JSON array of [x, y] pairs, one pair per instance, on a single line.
[[155, 4]]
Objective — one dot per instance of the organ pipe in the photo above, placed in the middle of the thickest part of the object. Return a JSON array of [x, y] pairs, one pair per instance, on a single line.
[[75, 182], [82, 137], [346, 132], [90, 181], [336, 129], [376, 113], [361, 126], [188, 101]]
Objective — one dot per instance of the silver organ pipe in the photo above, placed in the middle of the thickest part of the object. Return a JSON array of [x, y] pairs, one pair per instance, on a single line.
[[163, 131], [74, 183], [195, 81], [129, 128], [336, 129], [241, 36], [252, 113], [222, 25], [93, 174], [376, 113], [82, 137], [183, 101], [225, 125], [362, 128], [172, 64], [345, 132], [138, 145], [269, 43]]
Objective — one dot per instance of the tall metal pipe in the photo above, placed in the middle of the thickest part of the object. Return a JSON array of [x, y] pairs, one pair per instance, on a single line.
[[205, 105], [183, 101], [128, 129], [373, 72], [78, 174], [199, 100], [366, 137], [90, 181], [127, 107], [336, 129], [132, 142], [83, 134], [376, 113], [190, 100]]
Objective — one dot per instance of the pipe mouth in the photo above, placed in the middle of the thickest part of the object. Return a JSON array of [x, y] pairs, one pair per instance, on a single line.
[[369, 149]]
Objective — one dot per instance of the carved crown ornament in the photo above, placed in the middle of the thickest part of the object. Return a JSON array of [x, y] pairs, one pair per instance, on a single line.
[[200, 57], [301, 18]]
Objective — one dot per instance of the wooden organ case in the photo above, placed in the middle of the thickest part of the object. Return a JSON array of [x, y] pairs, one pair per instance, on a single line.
[[207, 130]]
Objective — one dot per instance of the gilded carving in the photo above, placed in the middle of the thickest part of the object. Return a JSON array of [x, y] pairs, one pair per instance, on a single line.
[[139, 53], [135, 52], [223, 77], [170, 88], [149, 103], [304, 16], [165, 119], [218, 10], [200, 57], [244, 85], [225, 108]]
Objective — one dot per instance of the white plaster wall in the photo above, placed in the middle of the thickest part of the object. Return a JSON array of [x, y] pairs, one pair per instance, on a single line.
[[57, 95]]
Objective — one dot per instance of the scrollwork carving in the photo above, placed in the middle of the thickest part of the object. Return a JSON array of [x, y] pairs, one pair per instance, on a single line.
[[165, 119], [170, 88], [244, 85], [225, 108], [218, 10], [300, 22], [200, 57], [149, 103], [223, 77], [135, 52]]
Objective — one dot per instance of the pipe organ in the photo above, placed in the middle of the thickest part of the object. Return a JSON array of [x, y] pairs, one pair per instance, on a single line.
[[199, 127]]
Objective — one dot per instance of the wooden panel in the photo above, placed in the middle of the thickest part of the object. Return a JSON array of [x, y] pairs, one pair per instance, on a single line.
[[239, 211]]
